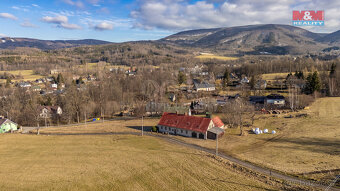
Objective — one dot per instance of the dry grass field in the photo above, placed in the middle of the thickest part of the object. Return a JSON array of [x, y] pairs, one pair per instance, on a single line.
[[273, 76], [304, 146], [112, 162], [27, 75], [106, 127], [211, 56]]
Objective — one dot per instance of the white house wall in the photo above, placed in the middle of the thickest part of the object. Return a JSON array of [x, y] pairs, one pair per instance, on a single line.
[[185, 133]]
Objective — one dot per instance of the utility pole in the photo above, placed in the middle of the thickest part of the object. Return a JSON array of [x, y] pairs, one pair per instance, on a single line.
[[216, 144], [103, 115], [85, 119], [142, 124]]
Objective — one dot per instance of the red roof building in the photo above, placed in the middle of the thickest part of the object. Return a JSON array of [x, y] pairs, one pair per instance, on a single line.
[[218, 122], [185, 125]]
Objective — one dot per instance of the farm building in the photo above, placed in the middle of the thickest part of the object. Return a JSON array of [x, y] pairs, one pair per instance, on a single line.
[[190, 126], [275, 99], [203, 86], [7, 125], [49, 111]]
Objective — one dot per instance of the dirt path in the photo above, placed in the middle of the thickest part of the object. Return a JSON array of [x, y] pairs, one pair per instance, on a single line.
[[248, 165]]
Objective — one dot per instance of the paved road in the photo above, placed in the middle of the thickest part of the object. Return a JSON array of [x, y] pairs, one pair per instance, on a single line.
[[262, 170]]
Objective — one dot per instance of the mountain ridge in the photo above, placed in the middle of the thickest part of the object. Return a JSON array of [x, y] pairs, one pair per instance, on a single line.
[[12, 43], [275, 38]]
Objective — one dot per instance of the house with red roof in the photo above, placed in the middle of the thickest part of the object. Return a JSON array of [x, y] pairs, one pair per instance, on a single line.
[[218, 122], [190, 126]]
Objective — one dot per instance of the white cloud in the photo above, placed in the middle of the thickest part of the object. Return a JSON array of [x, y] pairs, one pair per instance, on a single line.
[[35, 5], [178, 15], [61, 21], [8, 16], [56, 20], [3, 35], [20, 8], [28, 24], [79, 4], [105, 25], [70, 26]]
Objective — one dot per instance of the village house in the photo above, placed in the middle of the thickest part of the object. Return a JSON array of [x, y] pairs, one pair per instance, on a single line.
[[270, 100], [7, 125], [91, 78], [49, 79], [172, 97], [54, 85], [49, 111], [190, 126], [39, 81], [203, 86], [36, 88], [244, 80], [275, 99], [24, 84], [261, 84], [222, 100], [56, 71], [131, 72]]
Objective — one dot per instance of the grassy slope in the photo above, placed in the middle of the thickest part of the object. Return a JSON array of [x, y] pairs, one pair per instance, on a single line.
[[28, 75], [111, 162]]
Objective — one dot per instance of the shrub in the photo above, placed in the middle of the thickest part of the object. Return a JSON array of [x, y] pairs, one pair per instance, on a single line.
[[154, 129]]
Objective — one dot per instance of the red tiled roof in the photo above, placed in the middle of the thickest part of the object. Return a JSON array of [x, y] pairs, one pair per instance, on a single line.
[[217, 122], [192, 123]]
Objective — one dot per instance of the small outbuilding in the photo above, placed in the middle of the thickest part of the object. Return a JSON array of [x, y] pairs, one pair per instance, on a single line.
[[7, 125], [215, 132]]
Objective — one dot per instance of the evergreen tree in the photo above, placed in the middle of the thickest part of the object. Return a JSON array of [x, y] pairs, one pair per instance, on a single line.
[[289, 75], [299, 75], [181, 78], [60, 78], [225, 78], [332, 72], [8, 82], [252, 82], [313, 83]]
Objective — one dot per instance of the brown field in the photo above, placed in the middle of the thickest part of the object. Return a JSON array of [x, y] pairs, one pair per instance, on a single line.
[[274, 76], [211, 56], [27, 75], [112, 162]]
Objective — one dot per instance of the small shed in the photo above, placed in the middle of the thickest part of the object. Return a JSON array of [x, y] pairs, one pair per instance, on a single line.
[[7, 125], [214, 132]]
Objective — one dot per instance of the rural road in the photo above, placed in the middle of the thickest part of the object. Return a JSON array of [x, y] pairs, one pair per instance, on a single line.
[[268, 172]]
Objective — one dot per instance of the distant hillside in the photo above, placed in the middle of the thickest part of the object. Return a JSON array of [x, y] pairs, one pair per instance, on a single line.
[[11, 43], [257, 39], [333, 38]]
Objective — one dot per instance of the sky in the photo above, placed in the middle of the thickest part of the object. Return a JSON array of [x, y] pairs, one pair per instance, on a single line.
[[120, 21]]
